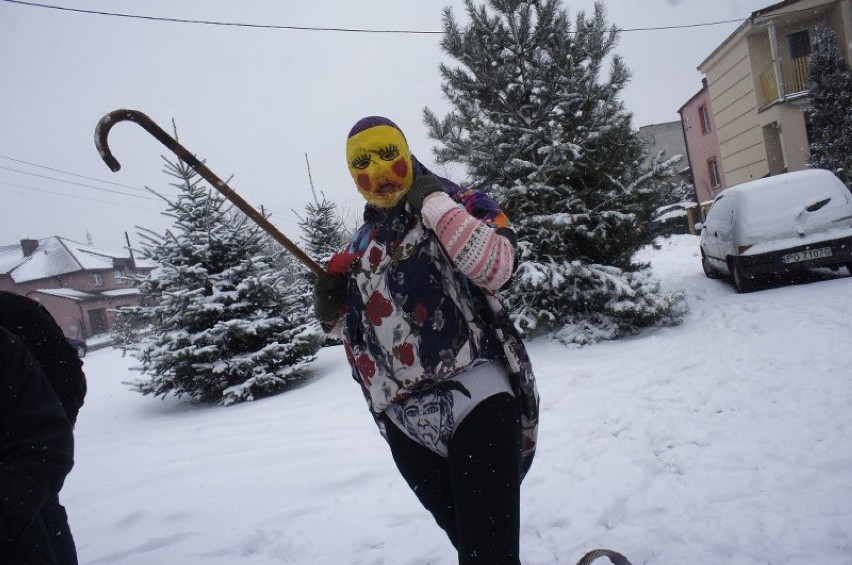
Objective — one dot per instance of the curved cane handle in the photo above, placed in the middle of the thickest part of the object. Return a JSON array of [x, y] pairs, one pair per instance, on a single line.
[[102, 132]]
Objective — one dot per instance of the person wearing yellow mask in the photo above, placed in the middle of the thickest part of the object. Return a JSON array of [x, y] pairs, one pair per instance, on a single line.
[[381, 164], [444, 372]]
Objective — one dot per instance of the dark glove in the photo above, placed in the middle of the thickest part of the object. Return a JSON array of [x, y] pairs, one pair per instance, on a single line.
[[329, 296], [420, 189]]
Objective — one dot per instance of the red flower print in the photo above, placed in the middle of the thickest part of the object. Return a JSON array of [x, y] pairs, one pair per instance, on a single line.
[[375, 257], [348, 349], [421, 314], [366, 368], [406, 354], [377, 308]]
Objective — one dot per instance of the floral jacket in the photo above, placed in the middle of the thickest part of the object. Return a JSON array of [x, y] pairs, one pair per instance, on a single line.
[[412, 319]]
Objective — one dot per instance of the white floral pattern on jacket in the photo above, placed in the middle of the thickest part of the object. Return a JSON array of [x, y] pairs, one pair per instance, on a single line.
[[413, 320]]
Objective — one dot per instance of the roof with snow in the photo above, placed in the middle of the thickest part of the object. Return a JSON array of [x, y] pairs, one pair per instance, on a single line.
[[53, 256], [69, 293], [81, 296], [120, 292]]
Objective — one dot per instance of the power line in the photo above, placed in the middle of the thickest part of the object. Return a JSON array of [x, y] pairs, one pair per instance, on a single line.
[[282, 216], [69, 173], [315, 28], [76, 183], [76, 197], [272, 213], [706, 24], [219, 23], [682, 26]]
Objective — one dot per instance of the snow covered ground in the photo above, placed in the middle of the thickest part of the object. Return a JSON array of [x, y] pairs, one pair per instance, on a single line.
[[726, 440]]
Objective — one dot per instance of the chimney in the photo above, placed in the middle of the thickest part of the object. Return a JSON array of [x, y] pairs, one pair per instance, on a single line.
[[130, 250], [29, 246]]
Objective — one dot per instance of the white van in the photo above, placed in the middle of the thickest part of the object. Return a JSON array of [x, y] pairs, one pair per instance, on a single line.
[[778, 224]]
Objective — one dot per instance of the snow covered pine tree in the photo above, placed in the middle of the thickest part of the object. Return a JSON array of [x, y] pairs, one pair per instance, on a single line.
[[225, 324], [323, 235], [323, 230], [538, 129], [830, 107]]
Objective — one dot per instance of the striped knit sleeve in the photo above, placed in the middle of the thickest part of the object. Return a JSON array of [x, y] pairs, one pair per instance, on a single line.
[[484, 256]]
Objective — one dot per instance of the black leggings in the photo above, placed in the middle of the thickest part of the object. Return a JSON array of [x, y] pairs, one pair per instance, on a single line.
[[474, 493]]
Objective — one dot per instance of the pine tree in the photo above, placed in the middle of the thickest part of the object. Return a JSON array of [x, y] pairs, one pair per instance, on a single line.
[[322, 229], [323, 236], [671, 188], [322, 226], [225, 325], [538, 128], [830, 107]]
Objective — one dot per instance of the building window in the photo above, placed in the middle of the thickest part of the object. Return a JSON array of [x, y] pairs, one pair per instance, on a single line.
[[800, 44], [809, 128], [704, 118], [98, 278], [713, 169], [98, 321]]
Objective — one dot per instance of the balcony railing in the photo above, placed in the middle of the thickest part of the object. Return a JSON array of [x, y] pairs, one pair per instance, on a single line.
[[794, 73]]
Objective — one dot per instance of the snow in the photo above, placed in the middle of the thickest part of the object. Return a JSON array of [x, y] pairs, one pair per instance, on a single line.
[[777, 206], [70, 293], [670, 215], [51, 259], [121, 292], [57, 256], [823, 235], [726, 440], [673, 211]]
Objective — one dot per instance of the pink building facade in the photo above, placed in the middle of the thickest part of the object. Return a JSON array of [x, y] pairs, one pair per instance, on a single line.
[[702, 146], [80, 285]]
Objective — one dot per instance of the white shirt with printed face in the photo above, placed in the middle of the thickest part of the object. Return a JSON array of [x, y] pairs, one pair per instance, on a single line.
[[430, 418]]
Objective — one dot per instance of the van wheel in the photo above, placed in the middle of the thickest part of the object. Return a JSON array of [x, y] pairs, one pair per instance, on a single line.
[[741, 282], [709, 271]]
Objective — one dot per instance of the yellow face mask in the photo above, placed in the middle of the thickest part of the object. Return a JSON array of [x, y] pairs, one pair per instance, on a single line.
[[380, 163]]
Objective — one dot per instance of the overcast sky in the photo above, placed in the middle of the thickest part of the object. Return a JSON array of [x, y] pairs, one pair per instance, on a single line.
[[253, 102]]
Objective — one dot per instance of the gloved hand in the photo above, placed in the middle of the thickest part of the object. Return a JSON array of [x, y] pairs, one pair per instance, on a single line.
[[329, 297], [420, 189], [340, 263]]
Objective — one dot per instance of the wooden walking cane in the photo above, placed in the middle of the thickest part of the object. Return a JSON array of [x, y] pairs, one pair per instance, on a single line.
[[109, 120]]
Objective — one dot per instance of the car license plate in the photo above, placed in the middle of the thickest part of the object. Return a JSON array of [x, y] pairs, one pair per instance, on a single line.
[[806, 255]]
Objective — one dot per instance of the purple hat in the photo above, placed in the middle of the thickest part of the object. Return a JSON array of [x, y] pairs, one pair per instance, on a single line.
[[372, 121]]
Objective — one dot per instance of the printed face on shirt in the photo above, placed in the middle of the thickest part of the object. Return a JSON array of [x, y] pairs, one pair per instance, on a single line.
[[380, 163], [426, 417]]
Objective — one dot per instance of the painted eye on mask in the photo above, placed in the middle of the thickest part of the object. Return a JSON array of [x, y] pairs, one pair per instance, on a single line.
[[389, 153], [361, 162]]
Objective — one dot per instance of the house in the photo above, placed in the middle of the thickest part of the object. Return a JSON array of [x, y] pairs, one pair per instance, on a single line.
[[699, 132], [78, 284], [666, 137], [756, 90]]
